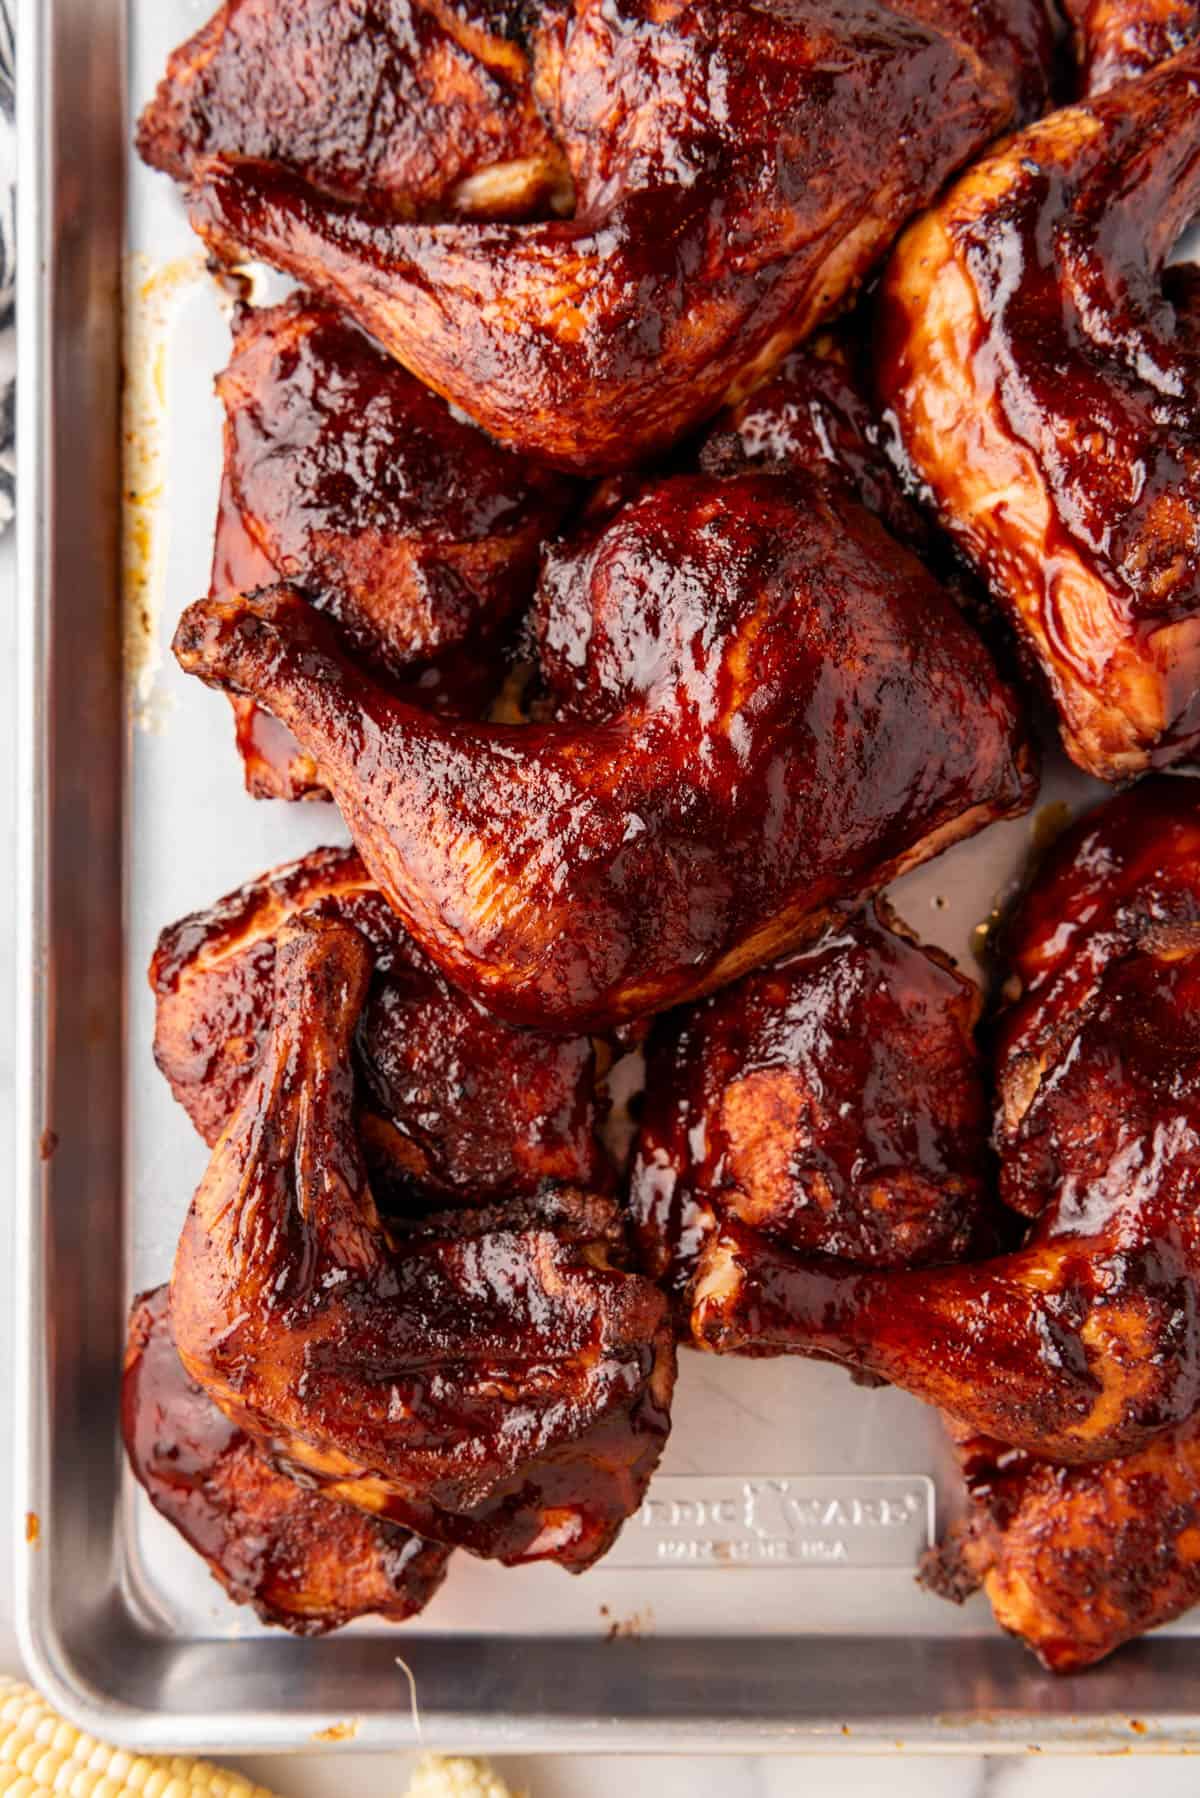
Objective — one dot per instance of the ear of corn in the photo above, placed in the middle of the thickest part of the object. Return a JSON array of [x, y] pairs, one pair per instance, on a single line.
[[438, 1777], [42, 1754]]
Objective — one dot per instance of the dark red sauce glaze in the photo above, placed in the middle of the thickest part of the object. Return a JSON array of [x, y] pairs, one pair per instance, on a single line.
[[303, 1561], [391, 102], [400, 521], [1083, 1343], [1094, 1048], [1116, 40], [454, 1106], [275, 765], [816, 413], [494, 1374], [1031, 347], [765, 706], [834, 1102], [738, 168], [1077, 1560]]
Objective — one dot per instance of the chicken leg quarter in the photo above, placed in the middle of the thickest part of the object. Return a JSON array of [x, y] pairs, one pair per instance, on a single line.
[[492, 1380], [738, 166], [1083, 1342], [765, 706]]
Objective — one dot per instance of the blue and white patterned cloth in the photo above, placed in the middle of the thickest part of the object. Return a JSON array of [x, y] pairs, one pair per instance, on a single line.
[[8, 260]]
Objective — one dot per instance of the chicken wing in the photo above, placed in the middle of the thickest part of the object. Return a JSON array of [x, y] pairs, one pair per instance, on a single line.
[[303, 1561], [453, 1106], [1045, 387], [764, 706], [1084, 1342], [490, 1379], [833, 1102], [738, 168]]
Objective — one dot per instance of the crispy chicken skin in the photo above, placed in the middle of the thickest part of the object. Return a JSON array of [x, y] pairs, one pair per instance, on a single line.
[[1084, 1342], [413, 106], [833, 1102], [764, 706], [400, 521], [303, 1561], [1045, 387], [738, 166], [453, 1106], [491, 1379], [1116, 40], [1077, 1560]]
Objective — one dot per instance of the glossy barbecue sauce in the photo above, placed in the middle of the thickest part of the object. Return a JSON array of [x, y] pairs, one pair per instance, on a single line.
[[303, 1561]]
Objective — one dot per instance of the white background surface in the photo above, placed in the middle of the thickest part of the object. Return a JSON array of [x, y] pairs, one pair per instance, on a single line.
[[328, 1775]]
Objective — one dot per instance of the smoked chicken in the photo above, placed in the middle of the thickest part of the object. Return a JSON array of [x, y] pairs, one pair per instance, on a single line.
[[1084, 1342], [1118, 39], [833, 1102], [1044, 386], [416, 107], [1077, 1560], [410, 529], [303, 1561], [737, 165], [453, 1106], [490, 1379], [764, 706]]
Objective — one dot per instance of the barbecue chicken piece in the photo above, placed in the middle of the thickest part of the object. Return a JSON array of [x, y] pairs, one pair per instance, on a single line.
[[738, 166], [416, 107], [1045, 387], [1116, 40], [816, 413], [453, 1106], [490, 1379], [275, 766], [303, 1561], [413, 531], [1077, 1560], [833, 1102], [1085, 1341], [764, 706]]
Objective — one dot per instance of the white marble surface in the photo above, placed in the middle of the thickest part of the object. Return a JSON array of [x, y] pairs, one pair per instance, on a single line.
[[328, 1775]]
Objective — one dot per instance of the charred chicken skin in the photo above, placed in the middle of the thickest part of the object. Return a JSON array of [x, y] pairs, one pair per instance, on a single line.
[[737, 169], [303, 1561], [416, 107], [833, 1102], [1077, 1560], [490, 1379], [1044, 386], [1118, 39], [1084, 1342], [764, 706], [410, 529], [453, 1106]]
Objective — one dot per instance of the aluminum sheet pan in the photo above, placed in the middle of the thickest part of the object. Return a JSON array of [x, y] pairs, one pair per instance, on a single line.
[[764, 1599]]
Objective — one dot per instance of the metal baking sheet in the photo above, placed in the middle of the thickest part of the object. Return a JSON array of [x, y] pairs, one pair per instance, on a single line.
[[764, 1598]]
